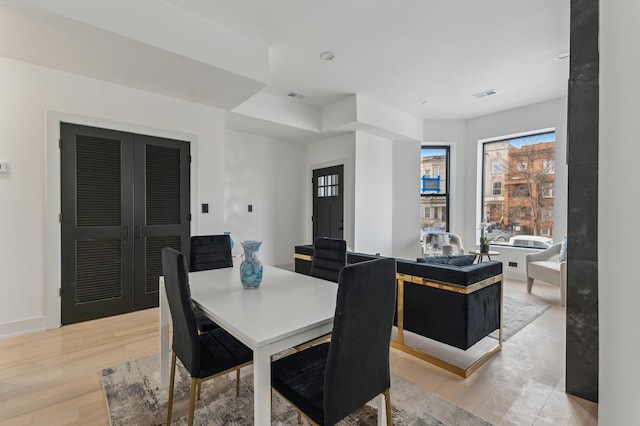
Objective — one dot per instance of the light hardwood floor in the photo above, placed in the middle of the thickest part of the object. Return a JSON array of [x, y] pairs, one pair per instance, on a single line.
[[52, 378]]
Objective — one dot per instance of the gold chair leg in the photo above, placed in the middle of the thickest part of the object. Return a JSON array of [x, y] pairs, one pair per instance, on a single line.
[[387, 399], [237, 382], [192, 399], [171, 384], [199, 389]]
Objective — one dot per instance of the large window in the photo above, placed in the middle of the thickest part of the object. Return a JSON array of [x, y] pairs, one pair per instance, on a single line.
[[518, 178], [434, 189]]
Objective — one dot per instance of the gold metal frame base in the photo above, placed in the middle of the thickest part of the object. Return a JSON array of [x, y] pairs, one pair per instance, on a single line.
[[462, 372]]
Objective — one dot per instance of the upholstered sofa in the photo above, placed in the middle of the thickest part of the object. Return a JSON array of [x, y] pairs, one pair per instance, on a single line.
[[455, 305]]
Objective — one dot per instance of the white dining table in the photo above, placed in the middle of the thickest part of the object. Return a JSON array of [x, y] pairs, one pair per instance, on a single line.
[[287, 309]]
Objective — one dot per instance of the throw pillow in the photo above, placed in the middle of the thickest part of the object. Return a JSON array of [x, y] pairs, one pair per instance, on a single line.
[[434, 259], [563, 250], [462, 260], [448, 260]]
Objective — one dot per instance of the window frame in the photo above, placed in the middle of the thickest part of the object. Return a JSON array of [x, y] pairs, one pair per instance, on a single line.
[[443, 194], [488, 156]]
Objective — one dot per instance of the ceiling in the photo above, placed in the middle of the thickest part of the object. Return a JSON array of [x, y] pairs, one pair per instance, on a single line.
[[394, 53], [397, 52]]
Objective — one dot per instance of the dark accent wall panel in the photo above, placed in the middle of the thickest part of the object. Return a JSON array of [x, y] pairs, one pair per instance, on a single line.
[[582, 229]]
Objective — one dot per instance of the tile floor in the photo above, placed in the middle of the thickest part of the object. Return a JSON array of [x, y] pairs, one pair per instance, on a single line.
[[524, 383]]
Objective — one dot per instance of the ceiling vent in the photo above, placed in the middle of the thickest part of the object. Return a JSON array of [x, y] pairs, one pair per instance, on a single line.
[[295, 95], [486, 93]]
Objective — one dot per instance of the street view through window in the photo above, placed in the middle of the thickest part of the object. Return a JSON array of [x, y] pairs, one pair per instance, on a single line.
[[434, 189], [517, 190]]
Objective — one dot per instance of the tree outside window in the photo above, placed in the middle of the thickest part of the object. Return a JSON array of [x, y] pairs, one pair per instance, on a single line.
[[520, 190], [525, 177]]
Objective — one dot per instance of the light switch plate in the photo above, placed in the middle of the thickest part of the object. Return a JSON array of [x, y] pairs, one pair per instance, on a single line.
[[4, 167]]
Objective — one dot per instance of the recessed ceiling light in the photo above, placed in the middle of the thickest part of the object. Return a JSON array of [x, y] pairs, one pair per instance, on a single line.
[[327, 56], [562, 55], [422, 101]]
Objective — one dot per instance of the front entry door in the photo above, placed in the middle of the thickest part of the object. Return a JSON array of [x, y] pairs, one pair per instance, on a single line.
[[123, 197], [328, 202]]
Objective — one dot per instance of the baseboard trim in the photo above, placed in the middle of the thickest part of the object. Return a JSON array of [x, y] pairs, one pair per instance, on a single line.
[[18, 328], [513, 275]]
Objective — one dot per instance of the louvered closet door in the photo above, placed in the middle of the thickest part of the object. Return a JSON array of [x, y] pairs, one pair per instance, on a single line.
[[161, 212], [124, 198], [97, 222]]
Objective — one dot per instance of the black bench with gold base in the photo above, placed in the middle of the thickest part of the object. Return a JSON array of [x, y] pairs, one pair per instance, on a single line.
[[454, 305]]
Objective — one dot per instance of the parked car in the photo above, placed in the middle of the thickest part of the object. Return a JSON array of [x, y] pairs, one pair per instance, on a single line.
[[498, 235], [531, 241]]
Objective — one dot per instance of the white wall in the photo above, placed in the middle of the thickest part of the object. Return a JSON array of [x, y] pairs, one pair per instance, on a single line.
[[280, 109], [618, 236], [174, 29], [330, 152], [373, 195], [270, 175], [452, 133], [388, 119], [406, 200], [32, 101], [339, 114], [545, 115]]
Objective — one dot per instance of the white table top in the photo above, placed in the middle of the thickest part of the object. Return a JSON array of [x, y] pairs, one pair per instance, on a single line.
[[285, 304], [484, 253]]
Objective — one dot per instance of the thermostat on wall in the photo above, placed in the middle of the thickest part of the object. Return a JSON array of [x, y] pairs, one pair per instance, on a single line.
[[4, 167]]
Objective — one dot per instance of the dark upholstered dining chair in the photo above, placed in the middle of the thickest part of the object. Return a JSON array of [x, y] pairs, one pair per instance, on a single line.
[[205, 355], [329, 381], [329, 257], [209, 252]]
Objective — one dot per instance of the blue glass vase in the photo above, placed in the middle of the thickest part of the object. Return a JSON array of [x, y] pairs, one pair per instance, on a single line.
[[251, 267], [229, 234]]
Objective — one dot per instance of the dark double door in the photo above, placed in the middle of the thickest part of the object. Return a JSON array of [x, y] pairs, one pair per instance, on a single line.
[[124, 197]]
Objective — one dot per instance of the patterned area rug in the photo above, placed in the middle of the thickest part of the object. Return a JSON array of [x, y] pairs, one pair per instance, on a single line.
[[517, 314], [134, 398]]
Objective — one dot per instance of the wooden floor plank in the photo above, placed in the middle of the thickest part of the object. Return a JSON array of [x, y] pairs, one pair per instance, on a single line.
[[53, 378]]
